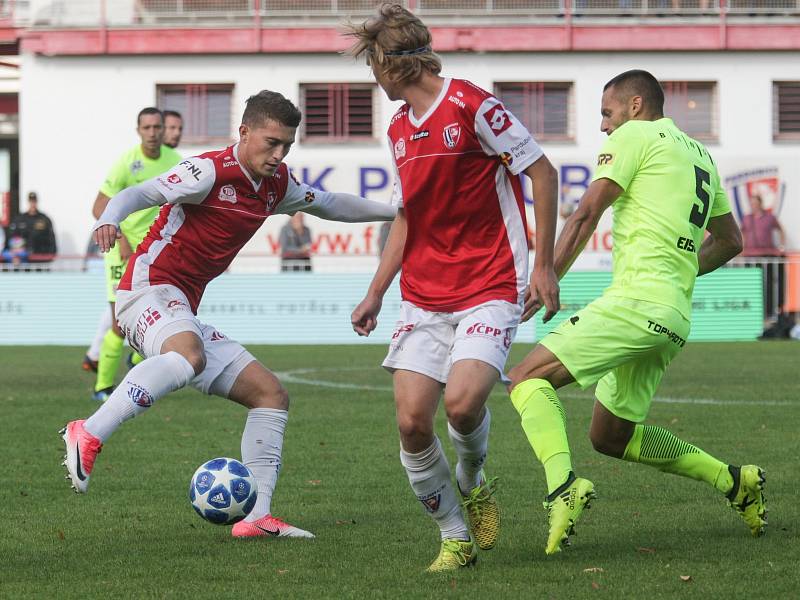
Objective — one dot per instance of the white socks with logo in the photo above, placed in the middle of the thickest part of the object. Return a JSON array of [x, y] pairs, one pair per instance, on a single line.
[[429, 476], [471, 450], [262, 444], [145, 383]]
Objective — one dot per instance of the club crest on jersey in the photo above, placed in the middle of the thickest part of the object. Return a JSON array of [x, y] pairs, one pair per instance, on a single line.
[[497, 118], [137, 166], [399, 148], [227, 193], [174, 178], [272, 200], [452, 133]]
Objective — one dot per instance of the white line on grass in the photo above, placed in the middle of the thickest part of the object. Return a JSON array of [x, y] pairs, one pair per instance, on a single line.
[[297, 376]]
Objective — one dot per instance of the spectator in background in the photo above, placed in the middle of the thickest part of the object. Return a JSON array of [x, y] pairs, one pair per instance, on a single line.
[[758, 230], [295, 241], [32, 235], [173, 128]]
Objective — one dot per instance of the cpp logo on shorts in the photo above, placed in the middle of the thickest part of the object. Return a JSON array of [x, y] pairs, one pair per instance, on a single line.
[[483, 330], [497, 118], [140, 396]]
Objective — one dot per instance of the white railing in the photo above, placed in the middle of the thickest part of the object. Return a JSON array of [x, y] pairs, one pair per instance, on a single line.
[[193, 13]]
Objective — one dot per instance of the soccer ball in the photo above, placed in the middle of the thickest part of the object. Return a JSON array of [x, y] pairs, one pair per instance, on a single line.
[[223, 491]]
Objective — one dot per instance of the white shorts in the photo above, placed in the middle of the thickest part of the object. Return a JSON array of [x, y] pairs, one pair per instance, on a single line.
[[148, 317], [431, 342]]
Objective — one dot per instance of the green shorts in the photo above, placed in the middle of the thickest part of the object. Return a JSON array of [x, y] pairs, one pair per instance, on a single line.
[[115, 269], [623, 344]]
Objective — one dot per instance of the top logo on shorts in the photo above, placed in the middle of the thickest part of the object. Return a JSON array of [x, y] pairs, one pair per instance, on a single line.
[[227, 193], [451, 134]]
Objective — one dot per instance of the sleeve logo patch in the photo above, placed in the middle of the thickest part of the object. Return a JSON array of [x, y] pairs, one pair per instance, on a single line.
[[605, 159], [497, 118], [174, 178]]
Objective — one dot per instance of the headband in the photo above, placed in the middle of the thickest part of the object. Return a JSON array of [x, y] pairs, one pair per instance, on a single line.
[[422, 50]]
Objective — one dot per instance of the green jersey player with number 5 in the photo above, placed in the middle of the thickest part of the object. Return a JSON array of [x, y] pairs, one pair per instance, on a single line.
[[666, 194]]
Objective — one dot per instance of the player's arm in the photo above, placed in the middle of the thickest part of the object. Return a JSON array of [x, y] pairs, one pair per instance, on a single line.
[[100, 204], [581, 224], [106, 230], [722, 244], [188, 182], [544, 283], [338, 206], [365, 316]]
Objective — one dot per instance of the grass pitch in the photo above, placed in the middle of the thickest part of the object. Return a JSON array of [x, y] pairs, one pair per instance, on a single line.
[[649, 535]]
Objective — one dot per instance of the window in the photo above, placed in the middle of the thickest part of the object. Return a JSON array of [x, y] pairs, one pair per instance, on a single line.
[[337, 111], [693, 107], [545, 108], [205, 108], [786, 110]]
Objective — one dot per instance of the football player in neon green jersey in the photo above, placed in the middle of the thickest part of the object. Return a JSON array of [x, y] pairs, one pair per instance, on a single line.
[[666, 194], [142, 162]]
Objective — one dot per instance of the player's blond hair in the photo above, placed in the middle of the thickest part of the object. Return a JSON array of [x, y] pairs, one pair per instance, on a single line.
[[397, 44]]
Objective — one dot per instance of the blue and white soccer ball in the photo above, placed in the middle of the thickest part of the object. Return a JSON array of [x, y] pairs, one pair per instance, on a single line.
[[223, 491]]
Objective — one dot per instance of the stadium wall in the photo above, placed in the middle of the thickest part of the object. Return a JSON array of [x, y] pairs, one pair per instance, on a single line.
[[78, 115]]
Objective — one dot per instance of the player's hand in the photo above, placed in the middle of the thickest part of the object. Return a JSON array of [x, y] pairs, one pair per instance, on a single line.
[[125, 250], [106, 236], [543, 291], [365, 315]]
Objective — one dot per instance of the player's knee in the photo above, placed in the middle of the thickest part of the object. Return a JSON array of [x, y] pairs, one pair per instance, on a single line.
[[272, 397], [197, 358], [608, 445], [461, 412], [413, 429], [517, 375]]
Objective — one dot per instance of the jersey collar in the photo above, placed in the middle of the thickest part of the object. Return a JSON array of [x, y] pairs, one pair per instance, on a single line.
[[252, 181], [418, 123]]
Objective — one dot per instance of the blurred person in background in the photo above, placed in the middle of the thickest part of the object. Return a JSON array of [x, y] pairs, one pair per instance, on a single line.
[[458, 154], [211, 206], [32, 234], [173, 128], [295, 241], [760, 230], [142, 162]]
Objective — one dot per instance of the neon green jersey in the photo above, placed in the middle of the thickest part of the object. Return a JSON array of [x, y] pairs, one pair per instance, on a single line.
[[132, 168], [671, 189]]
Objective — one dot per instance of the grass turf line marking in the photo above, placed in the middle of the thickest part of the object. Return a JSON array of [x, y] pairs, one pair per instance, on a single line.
[[296, 376]]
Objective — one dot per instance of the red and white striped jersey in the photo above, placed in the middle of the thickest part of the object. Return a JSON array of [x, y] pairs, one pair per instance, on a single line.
[[457, 170], [213, 209]]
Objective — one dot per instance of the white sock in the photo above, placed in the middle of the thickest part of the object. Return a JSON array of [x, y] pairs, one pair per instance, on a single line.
[[102, 327], [471, 450], [429, 476], [262, 445], [142, 386]]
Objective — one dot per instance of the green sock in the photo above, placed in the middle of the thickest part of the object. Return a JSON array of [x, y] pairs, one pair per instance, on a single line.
[[544, 423], [108, 363], [136, 358], [657, 447]]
